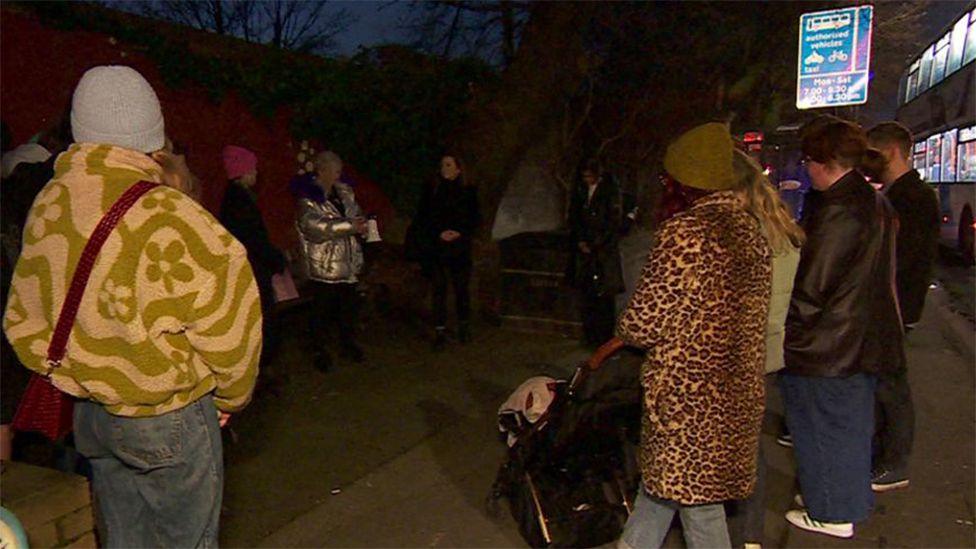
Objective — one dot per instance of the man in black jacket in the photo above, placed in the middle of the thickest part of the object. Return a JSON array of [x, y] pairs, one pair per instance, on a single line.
[[843, 328], [918, 231]]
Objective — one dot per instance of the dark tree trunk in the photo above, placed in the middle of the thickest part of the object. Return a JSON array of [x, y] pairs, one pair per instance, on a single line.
[[550, 65], [506, 120], [278, 25], [508, 31], [219, 17], [452, 32]]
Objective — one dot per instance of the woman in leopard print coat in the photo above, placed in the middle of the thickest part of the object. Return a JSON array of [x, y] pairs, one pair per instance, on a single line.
[[700, 311]]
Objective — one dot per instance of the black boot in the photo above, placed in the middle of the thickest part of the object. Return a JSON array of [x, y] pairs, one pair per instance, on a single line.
[[464, 332], [440, 339]]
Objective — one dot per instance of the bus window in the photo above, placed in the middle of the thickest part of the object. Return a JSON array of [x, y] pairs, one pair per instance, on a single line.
[[970, 52], [966, 155], [958, 44], [911, 87], [939, 61], [949, 156], [918, 159], [926, 72], [934, 158], [911, 81]]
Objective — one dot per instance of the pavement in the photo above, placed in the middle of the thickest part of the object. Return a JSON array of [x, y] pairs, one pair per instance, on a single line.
[[403, 452]]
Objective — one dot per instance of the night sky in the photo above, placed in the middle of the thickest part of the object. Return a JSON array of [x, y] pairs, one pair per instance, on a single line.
[[377, 22]]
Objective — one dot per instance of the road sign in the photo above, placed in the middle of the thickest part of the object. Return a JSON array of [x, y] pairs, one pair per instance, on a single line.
[[834, 57]]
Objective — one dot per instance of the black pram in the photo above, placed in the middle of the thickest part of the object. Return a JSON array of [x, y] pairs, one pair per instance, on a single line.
[[571, 476]]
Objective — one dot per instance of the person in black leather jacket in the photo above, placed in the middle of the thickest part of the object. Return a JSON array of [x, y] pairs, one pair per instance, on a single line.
[[843, 328]]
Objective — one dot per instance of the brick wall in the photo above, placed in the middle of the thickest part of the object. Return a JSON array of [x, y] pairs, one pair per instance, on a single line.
[[54, 507]]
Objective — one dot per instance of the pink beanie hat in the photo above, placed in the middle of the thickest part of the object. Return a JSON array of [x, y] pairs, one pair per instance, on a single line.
[[238, 161]]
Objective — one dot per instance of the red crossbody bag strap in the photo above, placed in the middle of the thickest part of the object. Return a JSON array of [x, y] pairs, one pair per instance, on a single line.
[[69, 309]]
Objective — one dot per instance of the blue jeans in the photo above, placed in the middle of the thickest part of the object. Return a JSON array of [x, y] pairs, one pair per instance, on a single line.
[[832, 421], [158, 481], [703, 525]]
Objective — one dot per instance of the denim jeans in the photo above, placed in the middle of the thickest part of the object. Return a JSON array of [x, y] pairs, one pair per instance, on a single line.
[[832, 420], [648, 525], [158, 481]]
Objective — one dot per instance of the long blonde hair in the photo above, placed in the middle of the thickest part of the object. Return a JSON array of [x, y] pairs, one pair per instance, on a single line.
[[176, 174], [759, 198]]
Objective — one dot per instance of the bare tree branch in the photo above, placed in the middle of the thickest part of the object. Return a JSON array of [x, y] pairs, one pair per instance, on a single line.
[[489, 29], [291, 24]]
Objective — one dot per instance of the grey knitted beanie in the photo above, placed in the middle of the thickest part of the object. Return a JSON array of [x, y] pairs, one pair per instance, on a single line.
[[115, 105]]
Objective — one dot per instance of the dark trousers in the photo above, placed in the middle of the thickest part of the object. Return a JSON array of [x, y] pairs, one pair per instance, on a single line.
[[598, 317], [894, 422], [747, 517], [457, 271], [269, 327], [831, 420], [334, 303]]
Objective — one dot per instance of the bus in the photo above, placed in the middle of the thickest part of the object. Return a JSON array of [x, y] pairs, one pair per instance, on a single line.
[[937, 102]]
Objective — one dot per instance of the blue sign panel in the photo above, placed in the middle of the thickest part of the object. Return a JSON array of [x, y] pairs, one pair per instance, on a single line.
[[835, 57]]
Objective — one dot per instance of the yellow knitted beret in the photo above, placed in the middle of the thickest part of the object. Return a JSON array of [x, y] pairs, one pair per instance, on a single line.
[[702, 158]]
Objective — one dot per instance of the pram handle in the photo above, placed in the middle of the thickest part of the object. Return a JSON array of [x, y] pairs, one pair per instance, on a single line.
[[596, 360], [604, 352]]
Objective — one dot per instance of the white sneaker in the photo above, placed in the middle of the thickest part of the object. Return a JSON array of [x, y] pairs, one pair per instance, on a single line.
[[802, 520], [798, 500]]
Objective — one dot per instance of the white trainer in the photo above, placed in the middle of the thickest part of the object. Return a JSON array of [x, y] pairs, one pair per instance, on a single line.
[[802, 520], [798, 500]]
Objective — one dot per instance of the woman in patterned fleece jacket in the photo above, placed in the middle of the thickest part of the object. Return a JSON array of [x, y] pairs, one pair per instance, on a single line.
[[168, 333], [170, 313]]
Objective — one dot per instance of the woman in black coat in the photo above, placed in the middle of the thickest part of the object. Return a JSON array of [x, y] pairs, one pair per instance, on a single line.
[[595, 216], [447, 218], [240, 214]]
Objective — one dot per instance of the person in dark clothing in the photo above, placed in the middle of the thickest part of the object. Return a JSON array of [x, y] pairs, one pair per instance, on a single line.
[[448, 217], [240, 214], [595, 217], [17, 193], [918, 234], [843, 328]]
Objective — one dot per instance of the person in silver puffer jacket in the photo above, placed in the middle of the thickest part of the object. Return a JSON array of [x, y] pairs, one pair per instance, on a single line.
[[330, 224]]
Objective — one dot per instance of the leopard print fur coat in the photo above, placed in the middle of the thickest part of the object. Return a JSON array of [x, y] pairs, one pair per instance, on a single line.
[[700, 311]]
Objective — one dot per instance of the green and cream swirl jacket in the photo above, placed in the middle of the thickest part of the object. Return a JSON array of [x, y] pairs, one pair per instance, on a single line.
[[171, 311]]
